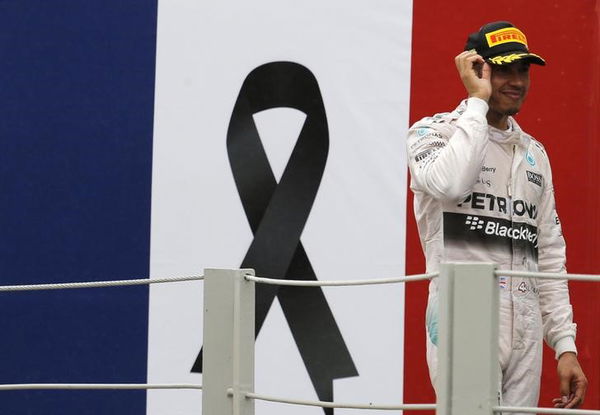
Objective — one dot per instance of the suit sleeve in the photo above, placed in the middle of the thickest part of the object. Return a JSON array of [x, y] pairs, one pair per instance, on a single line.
[[447, 167], [557, 313]]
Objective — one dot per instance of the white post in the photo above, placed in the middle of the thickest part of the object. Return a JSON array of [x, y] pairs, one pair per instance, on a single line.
[[468, 371], [228, 360]]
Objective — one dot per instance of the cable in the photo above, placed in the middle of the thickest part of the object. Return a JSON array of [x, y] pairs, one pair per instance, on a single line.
[[48, 386], [545, 410], [549, 275], [97, 284], [302, 283], [323, 404]]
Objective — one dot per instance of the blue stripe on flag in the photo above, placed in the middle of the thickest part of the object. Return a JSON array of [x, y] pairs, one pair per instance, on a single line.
[[76, 116]]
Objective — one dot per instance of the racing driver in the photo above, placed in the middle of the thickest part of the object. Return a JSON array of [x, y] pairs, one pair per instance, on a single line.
[[483, 192]]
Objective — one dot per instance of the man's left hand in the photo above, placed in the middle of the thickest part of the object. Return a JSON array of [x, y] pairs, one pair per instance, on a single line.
[[573, 382]]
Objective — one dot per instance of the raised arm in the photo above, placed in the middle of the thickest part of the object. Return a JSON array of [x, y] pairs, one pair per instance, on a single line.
[[444, 166]]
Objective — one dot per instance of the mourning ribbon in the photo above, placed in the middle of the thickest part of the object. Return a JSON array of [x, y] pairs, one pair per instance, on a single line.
[[277, 214]]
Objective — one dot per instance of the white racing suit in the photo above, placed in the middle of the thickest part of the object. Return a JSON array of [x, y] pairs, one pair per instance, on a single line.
[[484, 195]]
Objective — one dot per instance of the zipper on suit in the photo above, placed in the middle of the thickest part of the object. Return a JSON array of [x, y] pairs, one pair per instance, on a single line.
[[510, 202], [509, 185]]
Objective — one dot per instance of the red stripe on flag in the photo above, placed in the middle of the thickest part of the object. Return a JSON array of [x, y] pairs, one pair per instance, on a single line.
[[561, 111]]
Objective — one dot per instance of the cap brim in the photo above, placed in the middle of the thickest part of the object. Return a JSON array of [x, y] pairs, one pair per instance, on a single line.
[[512, 57]]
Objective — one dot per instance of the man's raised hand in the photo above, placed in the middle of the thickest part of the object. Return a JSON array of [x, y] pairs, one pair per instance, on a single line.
[[467, 64]]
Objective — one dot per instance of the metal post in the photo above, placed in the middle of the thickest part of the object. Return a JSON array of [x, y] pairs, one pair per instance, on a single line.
[[228, 362], [468, 340]]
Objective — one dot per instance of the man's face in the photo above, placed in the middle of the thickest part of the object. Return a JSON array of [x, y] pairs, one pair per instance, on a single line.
[[510, 84]]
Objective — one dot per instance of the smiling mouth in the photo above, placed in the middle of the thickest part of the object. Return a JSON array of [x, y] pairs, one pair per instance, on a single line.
[[513, 94]]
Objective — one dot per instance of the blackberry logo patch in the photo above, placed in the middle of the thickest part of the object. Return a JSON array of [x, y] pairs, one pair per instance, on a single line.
[[474, 222], [466, 233]]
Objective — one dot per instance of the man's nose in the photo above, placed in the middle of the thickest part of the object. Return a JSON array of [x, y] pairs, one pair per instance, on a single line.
[[517, 78]]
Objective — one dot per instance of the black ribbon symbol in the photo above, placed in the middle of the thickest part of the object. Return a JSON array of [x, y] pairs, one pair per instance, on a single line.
[[277, 214]]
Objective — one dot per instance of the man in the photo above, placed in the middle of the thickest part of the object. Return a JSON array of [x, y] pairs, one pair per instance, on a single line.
[[483, 192]]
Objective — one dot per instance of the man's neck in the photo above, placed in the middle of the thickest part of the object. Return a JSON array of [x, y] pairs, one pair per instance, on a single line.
[[500, 121]]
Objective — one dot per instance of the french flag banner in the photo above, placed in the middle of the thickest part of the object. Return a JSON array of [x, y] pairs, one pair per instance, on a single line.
[[144, 139]]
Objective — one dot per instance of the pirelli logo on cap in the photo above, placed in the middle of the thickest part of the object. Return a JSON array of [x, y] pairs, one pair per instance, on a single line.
[[506, 35]]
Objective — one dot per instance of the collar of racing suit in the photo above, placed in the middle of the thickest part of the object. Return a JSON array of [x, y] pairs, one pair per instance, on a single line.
[[517, 137]]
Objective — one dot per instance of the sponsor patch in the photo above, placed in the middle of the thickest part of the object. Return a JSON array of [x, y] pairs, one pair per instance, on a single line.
[[534, 178], [426, 141], [463, 233], [524, 288], [417, 143], [437, 144], [506, 35], [424, 135], [513, 231], [422, 131], [493, 203], [484, 181], [429, 160], [474, 223], [530, 159], [424, 154]]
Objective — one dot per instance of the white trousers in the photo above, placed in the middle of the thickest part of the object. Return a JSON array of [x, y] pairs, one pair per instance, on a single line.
[[520, 343]]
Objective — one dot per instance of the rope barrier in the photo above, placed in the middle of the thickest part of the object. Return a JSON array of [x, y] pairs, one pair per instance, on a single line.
[[545, 410], [274, 281], [112, 386], [285, 282], [549, 275], [303, 283], [97, 284], [324, 404], [148, 281]]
